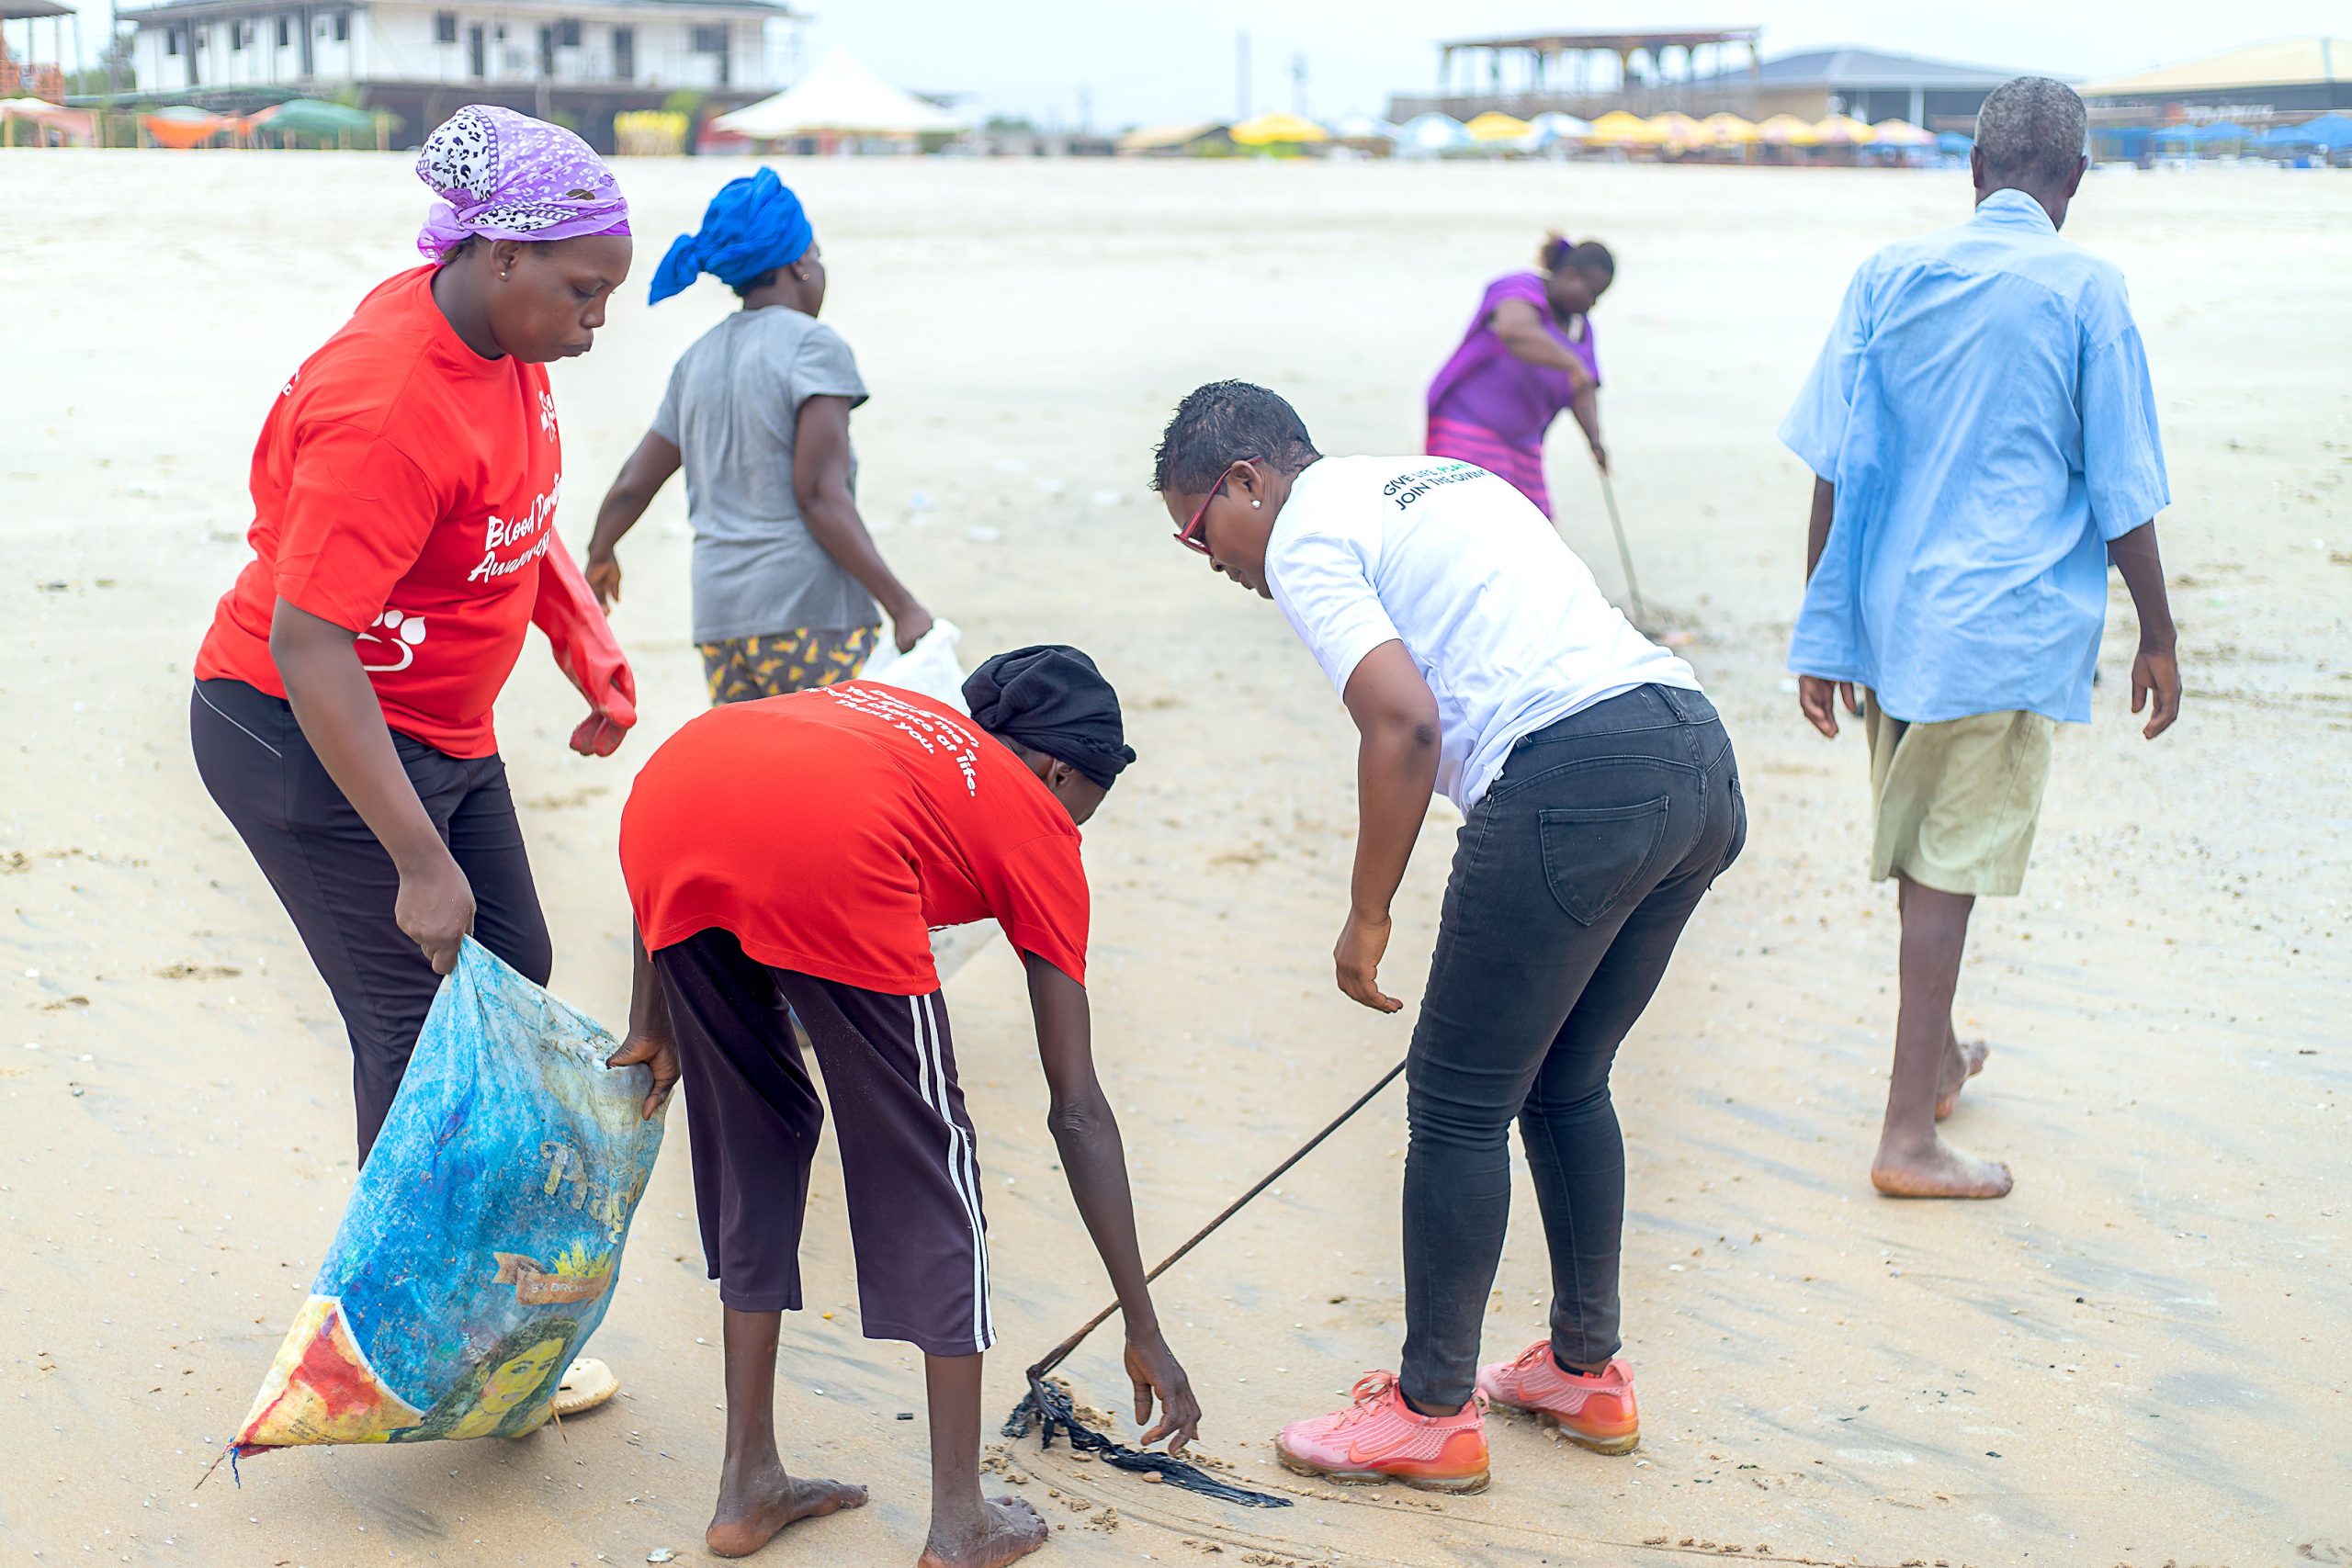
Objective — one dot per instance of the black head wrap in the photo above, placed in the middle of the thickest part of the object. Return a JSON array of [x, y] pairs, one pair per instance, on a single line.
[[1052, 699]]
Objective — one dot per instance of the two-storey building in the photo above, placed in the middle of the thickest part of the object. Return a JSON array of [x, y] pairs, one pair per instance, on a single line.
[[580, 61]]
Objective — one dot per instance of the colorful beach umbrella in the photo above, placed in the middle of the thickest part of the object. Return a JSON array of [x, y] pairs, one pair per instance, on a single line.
[[1495, 125], [313, 117], [1676, 126], [1557, 127], [2222, 132], [1901, 133], [1618, 129], [1432, 133], [1787, 130], [2332, 132], [1364, 127], [1953, 144], [1727, 130], [1276, 129], [1842, 131]]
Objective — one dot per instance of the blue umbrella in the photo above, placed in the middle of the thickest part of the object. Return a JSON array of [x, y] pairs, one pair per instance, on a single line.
[[1953, 142], [2333, 131], [2220, 131]]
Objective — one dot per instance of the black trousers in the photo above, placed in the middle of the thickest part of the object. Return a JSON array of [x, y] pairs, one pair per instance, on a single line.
[[340, 885], [1572, 880], [909, 1163]]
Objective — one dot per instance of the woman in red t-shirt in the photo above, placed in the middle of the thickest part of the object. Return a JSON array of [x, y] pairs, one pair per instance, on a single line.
[[793, 852], [405, 489]]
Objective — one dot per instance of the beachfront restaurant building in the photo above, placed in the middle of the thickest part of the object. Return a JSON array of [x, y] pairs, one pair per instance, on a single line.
[[1865, 84], [2286, 81], [578, 61], [1587, 74]]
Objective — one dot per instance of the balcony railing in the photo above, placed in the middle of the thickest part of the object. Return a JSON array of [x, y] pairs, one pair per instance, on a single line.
[[20, 81]]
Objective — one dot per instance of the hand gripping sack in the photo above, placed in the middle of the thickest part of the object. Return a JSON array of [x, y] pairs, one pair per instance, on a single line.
[[482, 1241]]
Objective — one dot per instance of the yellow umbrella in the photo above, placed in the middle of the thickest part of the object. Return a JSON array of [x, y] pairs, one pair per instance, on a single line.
[[1496, 126], [1727, 130], [1787, 130], [1901, 133], [1618, 129], [1675, 126], [1275, 129], [1842, 131]]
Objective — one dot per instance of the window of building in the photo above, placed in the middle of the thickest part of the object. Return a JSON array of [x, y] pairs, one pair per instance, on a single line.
[[625, 54], [710, 41], [342, 26], [285, 31], [445, 27], [567, 35], [237, 36], [171, 40]]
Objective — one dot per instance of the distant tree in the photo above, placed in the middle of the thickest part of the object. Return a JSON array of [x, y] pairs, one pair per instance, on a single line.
[[693, 104], [111, 75], [1009, 124]]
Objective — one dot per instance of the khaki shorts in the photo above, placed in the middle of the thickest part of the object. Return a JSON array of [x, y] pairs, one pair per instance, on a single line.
[[1953, 804]]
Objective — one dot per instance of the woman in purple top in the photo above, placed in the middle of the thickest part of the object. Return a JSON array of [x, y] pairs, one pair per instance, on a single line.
[[1527, 357]]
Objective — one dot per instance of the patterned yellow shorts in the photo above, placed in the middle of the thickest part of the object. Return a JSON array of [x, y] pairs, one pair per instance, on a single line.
[[743, 668]]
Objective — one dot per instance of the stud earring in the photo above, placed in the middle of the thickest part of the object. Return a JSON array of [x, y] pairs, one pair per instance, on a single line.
[[1257, 503]]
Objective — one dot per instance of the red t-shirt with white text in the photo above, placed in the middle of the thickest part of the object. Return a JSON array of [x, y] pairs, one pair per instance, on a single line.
[[404, 488], [829, 829]]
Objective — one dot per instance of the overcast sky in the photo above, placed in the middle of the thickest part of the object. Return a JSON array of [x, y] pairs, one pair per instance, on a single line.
[[1142, 60], [1150, 62]]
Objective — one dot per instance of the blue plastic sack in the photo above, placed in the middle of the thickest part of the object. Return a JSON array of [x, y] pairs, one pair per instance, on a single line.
[[482, 1241]]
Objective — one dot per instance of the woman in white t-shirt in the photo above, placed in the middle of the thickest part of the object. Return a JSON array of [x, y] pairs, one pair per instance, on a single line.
[[1602, 799]]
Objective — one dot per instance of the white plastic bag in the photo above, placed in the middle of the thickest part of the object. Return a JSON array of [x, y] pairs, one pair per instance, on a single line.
[[930, 668]]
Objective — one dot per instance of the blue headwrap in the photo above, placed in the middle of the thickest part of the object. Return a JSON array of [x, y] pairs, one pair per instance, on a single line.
[[753, 225]]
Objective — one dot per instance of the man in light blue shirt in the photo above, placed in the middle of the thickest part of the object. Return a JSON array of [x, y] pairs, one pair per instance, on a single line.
[[1984, 437]]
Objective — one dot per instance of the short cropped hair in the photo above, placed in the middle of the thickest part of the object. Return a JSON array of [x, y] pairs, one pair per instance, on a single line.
[[1221, 425], [2031, 128]]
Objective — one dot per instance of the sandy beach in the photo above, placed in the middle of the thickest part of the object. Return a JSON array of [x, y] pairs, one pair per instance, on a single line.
[[2129, 1361]]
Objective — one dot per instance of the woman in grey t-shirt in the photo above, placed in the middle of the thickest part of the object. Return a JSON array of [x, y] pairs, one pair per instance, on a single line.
[[788, 583]]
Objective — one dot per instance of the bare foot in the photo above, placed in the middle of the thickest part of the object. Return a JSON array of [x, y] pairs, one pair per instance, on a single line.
[[1961, 1063], [1938, 1170], [747, 1522], [1012, 1530]]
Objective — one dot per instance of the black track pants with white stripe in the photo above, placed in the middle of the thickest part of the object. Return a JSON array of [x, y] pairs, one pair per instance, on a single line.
[[908, 1161]]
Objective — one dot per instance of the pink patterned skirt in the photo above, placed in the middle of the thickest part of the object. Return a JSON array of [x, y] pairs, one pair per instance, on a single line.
[[1522, 465]]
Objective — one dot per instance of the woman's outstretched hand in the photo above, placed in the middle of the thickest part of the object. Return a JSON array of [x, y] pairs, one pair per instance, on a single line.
[[1154, 1369]]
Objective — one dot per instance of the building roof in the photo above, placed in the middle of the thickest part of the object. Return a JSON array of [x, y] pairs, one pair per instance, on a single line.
[[192, 8], [19, 10], [1865, 68], [2284, 63], [1559, 43]]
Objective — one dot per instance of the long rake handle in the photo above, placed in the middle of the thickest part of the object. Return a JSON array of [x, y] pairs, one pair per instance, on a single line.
[[1625, 555], [1055, 1357]]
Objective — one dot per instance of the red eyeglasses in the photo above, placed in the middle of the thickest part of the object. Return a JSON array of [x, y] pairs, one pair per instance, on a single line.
[[1189, 534]]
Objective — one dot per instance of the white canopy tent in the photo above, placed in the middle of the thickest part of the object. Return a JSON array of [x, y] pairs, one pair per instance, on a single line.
[[840, 98]]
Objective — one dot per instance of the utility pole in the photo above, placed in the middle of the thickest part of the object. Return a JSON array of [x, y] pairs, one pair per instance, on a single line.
[[1241, 75]]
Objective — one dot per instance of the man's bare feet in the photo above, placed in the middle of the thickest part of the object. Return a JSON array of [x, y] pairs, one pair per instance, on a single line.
[[1936, 1170], [1011, 1531], [1961, 1063], [748, 1519]]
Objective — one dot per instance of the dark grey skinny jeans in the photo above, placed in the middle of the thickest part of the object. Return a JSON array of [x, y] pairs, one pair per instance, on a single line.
[[1572, 880]]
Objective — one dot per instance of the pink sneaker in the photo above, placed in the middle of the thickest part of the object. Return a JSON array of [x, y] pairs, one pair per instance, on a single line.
[[1596, 1413], [1381, 1437]]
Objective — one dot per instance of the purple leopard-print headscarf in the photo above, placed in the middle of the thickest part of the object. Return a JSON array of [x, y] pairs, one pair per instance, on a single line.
[[504, 176]]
